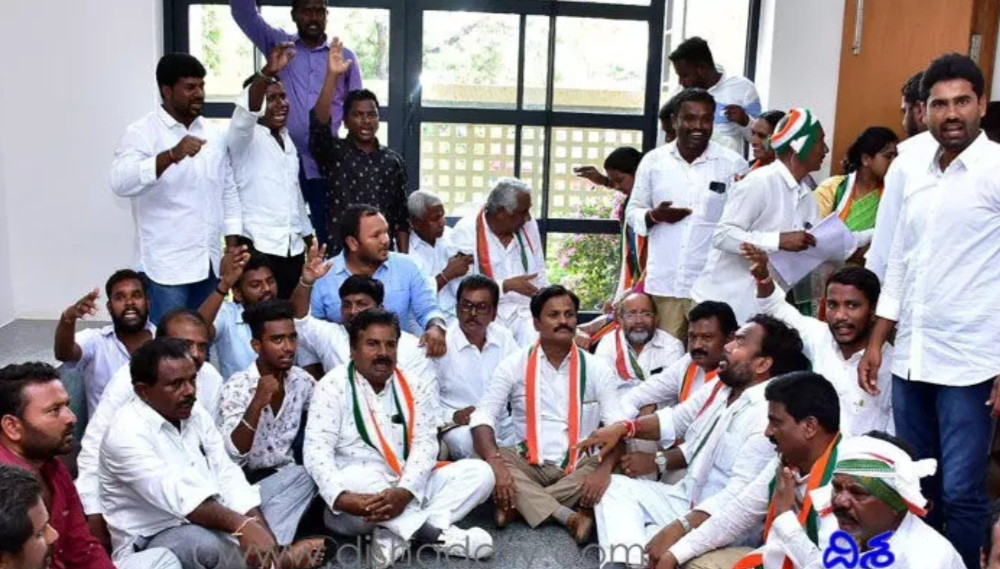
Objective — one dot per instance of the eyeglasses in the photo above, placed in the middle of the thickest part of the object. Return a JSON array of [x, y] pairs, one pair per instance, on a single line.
[[637, 314], [479, 307]]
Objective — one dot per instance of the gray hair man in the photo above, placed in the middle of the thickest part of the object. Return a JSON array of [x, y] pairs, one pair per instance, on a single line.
[[505, 245], [429, 239]]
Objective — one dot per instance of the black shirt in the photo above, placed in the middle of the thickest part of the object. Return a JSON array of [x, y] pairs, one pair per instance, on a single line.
[[354, 176]]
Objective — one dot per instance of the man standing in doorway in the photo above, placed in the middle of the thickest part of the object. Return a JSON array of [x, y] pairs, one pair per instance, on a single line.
[[302, 82]]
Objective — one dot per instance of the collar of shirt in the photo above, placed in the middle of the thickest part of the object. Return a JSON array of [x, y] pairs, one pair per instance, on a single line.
[[416, 242], [968, 160], [172, 123], [299, 44], [157, 422], [45, 472], [786, 175], [462, 341], [340, 265], [109, 330], [709, 154]]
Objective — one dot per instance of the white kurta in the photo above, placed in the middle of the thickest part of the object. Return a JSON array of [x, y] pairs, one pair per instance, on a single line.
[[664, 388], [657, 355], [431, 260], [768, 202]]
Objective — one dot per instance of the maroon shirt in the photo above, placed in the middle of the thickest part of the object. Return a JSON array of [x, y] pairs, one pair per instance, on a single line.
[[76, 548]]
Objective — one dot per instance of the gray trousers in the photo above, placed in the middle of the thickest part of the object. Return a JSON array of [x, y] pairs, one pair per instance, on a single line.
[[284, 498]]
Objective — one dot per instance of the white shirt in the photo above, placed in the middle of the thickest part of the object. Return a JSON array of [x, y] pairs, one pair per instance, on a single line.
[[941, 282], [914, 152], [118, 392], [272, 441], [760, 207], [733, 90], [860, 412], [153, 475], [678, 251], [232, 339], [724, 444], [658, 354], [431, 260], [101, 355], [329, 344], [464, 371], [336, 456], [506, 261], [508, 387], [267, 177], [180, 218], [663, 388]]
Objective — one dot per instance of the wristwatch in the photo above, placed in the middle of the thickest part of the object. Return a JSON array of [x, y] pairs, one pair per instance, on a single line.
[[661, 461]]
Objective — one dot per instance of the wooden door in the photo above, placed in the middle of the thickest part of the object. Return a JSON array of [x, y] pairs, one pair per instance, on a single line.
[[897, 39]]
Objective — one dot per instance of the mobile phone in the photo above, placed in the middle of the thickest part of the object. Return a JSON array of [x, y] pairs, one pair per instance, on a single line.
[[717, 187]]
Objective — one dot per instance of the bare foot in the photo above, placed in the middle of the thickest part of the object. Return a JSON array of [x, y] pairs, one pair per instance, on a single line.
[[303, 554], [581, 525], [504, 517]]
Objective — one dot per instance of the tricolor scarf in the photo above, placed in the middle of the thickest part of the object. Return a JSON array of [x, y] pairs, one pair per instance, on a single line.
[[531, 448], [857, 214], [799, 131], [633, 247], [610, 327], [692, 372], [820, 475], [483, 260], [626, 361], [367, 419]]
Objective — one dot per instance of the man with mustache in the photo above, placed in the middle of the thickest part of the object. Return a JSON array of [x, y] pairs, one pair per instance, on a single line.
[[303, 84], [371, 445], [723, 446], [476, 346], [803, 422], [261, 411], [266, 169], [99, 352], [167, 480], [679, 192], [836, 346], [173, 165], [365, 241], [28, 537], [545, 387], [187, 326], [36, 427], [940, 297]]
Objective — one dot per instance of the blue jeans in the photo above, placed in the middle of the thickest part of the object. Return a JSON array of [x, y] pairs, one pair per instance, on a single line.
[[314, 192], [163, 298], [952, 425]]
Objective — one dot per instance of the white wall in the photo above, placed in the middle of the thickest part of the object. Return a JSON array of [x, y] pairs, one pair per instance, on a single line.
[[6, 294], [76, 74], [995, 90], [798, 58]]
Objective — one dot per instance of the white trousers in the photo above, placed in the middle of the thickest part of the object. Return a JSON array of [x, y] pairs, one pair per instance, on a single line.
[[155, 558], [631, 513], [452, 492]]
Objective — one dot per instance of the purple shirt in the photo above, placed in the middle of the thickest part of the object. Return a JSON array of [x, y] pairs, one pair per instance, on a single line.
[[303, 78]]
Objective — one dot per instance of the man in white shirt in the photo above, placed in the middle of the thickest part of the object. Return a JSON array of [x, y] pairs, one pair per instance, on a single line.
[[712, 327], [174, 166], [99, 352], [678, 196], [181, 323], [723, 446], [940, 295], [261, 411], [546, 387], [803, 423], [771, 208], [266, 168], [371, 447], [638, 349], [167, 481], [918, 149], [736, 97], [429, 248], [476, 345], [837, 345], [505, 245]]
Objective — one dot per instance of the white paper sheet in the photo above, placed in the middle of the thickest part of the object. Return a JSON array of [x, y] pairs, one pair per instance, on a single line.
[[834, 242]]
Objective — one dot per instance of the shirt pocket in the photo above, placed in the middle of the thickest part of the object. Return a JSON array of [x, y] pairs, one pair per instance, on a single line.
[[711, 204]]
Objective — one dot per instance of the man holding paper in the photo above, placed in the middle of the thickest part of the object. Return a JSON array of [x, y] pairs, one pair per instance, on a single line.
[[770, 209]]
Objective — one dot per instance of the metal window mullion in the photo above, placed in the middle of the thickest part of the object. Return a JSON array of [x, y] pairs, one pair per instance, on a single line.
[[550, 79], [654, 69], [519, 128]]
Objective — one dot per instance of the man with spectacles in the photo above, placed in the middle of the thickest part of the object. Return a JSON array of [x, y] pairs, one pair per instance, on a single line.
[[476, 345]]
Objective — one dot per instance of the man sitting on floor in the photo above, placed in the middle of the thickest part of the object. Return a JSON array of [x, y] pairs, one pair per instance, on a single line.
[[476, 345], [371, 446], [723, 449], [261, 411], [546, 387], [167, 481]]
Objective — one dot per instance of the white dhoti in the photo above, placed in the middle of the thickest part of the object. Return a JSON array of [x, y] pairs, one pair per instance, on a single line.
[[452, 492], [631, 513]]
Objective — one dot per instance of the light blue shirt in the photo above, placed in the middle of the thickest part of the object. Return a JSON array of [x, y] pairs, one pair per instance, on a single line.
[[406, 291], [232, 340]]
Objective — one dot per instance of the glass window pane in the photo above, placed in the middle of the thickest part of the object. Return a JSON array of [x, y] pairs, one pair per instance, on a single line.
[[365, 31], [536, 61], [569, 195], [532, 171], [222, 48], [622, 2], [586, 263], [469, 60], [460, 162], [600, 65]]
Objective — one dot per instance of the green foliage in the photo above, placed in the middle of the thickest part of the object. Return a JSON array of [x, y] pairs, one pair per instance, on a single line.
[[589, 264], [212, 36]]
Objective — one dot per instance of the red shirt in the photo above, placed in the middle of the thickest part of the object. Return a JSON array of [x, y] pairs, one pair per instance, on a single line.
[[76, 548]]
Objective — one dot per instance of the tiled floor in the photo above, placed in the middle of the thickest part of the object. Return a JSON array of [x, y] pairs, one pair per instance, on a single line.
[[31, 340]]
